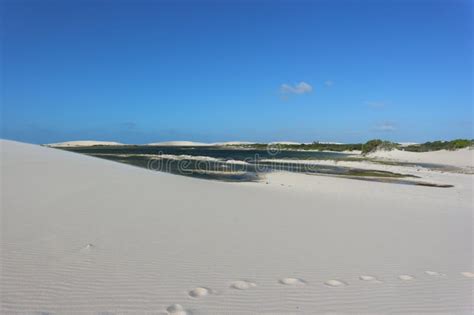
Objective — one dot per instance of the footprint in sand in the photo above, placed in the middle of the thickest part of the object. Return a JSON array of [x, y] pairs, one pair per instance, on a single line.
[[335, 283], [292, 281], [369, 278], [88, 247], [406, 277], [177, 309], [242, 285], [200, 292], [468, 274], [434, 273]]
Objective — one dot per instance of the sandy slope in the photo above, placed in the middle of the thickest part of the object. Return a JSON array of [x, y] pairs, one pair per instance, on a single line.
[[80, 234], [459, 158]]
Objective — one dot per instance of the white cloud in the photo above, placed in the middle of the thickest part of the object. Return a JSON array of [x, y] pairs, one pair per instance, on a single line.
[[299, 88], [328, 83], [385, 127]]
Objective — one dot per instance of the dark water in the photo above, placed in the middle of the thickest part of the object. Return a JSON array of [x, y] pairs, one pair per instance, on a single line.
[[215, 152], [227, 164]]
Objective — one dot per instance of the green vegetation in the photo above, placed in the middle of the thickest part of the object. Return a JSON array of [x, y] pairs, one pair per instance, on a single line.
[[368, 147], [377, 144], [440, 145], [372, 146], [311, 146]]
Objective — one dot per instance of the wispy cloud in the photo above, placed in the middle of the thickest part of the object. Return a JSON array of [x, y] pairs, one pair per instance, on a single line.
[[328, 83], [385, 127], [376, 104], [298, 88]]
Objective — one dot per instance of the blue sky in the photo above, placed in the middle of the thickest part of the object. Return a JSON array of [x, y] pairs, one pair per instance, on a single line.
[[145, 71]]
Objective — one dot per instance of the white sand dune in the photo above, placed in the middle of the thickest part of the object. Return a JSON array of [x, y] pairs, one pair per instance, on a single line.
[[232, 143], [286, 142], [195, 144], [406, 144], [459, 158], [462, 159], [329, 142], [85, 235], [299, 143], [82, 143], [179, 143]]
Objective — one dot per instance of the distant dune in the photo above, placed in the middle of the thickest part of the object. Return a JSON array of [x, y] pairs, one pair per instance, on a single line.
[[233, 143], [406, 144], [179, 143], [82, 143], [195, 144], [285, 142], [300, 143]]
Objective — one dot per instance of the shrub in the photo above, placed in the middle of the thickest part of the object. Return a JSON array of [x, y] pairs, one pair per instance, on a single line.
[[377, 144], [440, 145]]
